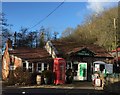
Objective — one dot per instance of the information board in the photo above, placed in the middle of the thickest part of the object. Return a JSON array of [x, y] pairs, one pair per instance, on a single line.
[[109, 68]]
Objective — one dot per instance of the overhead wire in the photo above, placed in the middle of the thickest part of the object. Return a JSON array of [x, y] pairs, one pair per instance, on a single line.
[[48, 15]]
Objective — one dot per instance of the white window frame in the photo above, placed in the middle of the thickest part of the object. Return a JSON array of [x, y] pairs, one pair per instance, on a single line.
[[25, 66], [44, 66], [38, 67], [30, 67], [67, 66], [12, 67]]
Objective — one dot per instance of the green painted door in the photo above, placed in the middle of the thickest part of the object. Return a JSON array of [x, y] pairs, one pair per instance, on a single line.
[[82, 72]]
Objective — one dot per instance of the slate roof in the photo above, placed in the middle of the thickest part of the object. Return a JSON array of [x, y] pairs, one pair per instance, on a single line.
[[72, 47], [32, 54], [65, 48]]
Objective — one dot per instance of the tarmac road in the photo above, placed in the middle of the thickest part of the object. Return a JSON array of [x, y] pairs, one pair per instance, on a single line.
[[52, 91], [78, 88]]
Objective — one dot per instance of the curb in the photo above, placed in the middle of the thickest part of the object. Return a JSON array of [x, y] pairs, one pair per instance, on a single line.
[[49, 86], [60, 87]]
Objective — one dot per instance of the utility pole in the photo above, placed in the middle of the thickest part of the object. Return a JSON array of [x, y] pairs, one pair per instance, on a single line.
[[36, 38], [116, 40], [42, 35], [15, 41]]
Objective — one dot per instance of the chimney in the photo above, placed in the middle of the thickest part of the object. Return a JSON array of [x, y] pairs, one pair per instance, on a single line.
[[15, 43], [9, 44]]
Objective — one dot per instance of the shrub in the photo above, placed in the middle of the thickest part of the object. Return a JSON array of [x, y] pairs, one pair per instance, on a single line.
[[33, 77], [69, 76], [23, 78], [48, 76], [18, 77], [10, 80]]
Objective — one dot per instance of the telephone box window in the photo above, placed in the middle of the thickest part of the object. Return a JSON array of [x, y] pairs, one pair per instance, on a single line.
[[61, 68]]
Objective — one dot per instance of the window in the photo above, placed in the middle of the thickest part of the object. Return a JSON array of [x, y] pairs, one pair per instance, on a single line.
[[12, 67], [102, 67], [24, 66], [45, 66], [68, 65], [39, 67], [75, 66], [30, 67], [119, 54], [114, 54]]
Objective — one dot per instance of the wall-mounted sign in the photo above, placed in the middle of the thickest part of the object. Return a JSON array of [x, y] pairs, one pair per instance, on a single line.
[[109, 68], [97, 67]]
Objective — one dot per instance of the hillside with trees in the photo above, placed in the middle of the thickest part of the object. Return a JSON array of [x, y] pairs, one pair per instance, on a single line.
[[97, 29]]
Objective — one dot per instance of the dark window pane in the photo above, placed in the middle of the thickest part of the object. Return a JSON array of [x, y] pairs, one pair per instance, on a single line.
[[75, 66], [102, 67], [45, 66], [30, 67], [24, 67], [39, 66], [30, 64], [24, 64]]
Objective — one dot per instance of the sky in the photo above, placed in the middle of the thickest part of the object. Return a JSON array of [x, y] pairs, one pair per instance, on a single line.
[[69, 14]]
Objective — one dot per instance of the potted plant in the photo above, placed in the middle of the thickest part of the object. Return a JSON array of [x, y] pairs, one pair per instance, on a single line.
[[69, 76], [48, 76]]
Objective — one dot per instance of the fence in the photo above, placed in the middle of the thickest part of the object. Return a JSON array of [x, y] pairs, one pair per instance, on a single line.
[[112, 78]]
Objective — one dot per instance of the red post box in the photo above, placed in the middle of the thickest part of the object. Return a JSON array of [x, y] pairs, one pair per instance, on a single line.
[[59, 70]]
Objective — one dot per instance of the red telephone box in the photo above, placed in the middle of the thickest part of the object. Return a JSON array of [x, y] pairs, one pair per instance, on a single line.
[[59, 70]]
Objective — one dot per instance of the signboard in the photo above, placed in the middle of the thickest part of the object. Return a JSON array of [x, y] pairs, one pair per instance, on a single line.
[[97, 82], [97, 67], [109, 68]]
